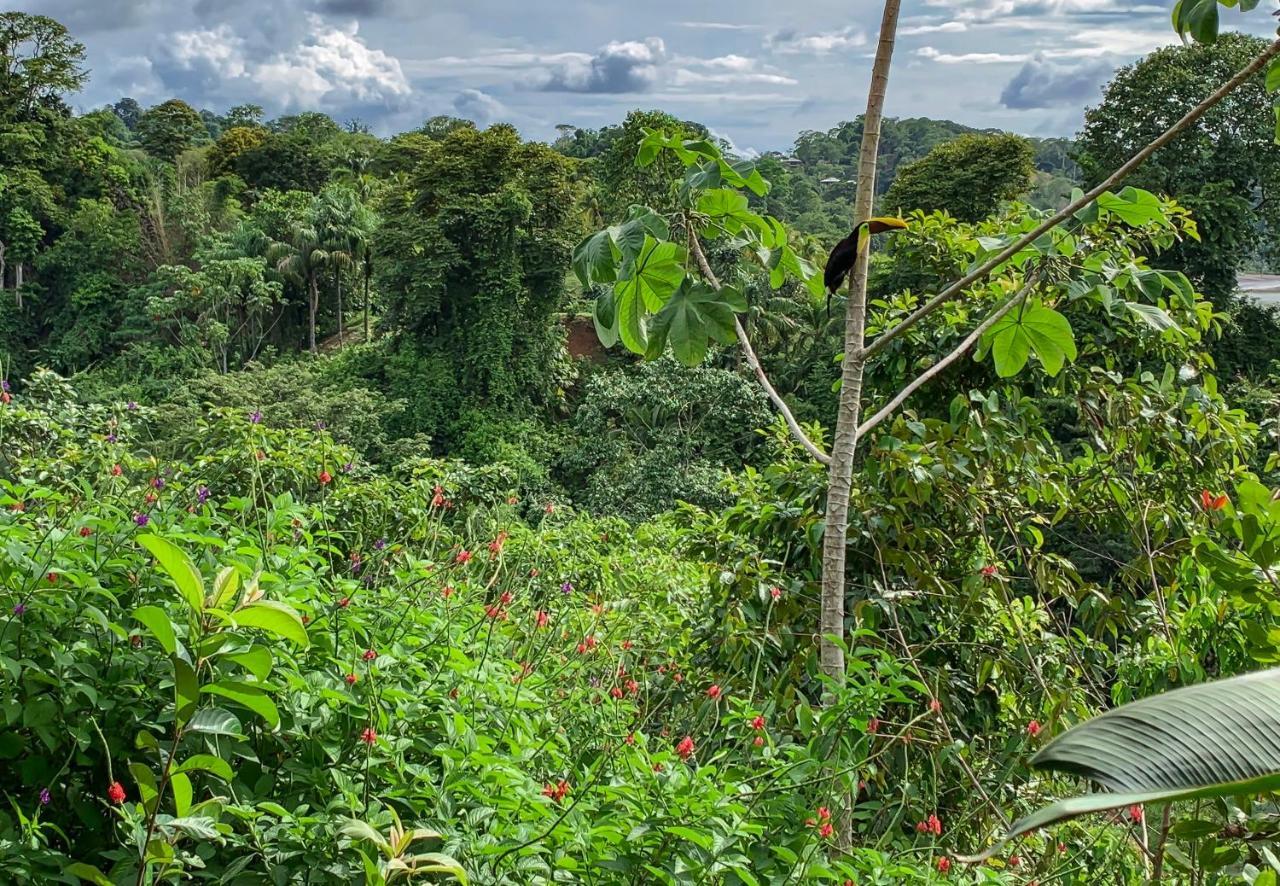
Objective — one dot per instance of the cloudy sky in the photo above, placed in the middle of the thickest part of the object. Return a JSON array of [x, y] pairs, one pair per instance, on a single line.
[[755, 71]]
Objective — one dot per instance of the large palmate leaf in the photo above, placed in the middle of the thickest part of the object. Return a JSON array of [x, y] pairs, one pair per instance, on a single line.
[[1197, 18], [1033, 328], [1219, 739], [645, 285], [695, 314]]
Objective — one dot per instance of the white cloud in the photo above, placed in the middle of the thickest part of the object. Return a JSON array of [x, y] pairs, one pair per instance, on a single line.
[[331, 65], [619, 66], [943, 28], [718, 26], [480, 107], [791, 42], [970, 58]]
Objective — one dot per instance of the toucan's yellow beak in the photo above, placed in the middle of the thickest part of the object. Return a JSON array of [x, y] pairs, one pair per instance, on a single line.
[[886, 223]]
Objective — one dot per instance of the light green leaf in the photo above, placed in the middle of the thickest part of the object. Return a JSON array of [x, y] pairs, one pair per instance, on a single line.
[[361, 830], [201, 827], [180, 787], [439, 863], [1199, 18], [257, 660], [215, 721], [186, 690], [596, 259], [655, 274], [156, 620], [225, 586], [1273, 75], [207, 763], [1033, 328], [87, 872], [1134, 207], [178, 567], [273, 617], [605, 317], [1153, 316], [690, 317], [250, 697]]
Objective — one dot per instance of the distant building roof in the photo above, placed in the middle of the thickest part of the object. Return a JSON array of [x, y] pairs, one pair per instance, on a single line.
[[1263, 287]]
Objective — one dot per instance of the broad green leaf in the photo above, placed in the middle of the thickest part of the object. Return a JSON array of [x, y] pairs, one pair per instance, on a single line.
[[596, 259], [605, 317], [1153, 316], [201, 827], [180, 787], [273, 617], [257, 660], [156, 620], [1134, 207], [1033, 328], [361, 830], [655, 274], [178, 567], [186, 690], [145, 780], [690, 317], [1218, 739], [207, 763], [439, 863], [225, 586], [87, 872], [1199, 18], [250, 697], [215, 721], [630, 320], [641, 221], [1273, 75]]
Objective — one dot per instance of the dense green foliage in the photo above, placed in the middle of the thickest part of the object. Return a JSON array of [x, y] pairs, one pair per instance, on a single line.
[[327, 556]]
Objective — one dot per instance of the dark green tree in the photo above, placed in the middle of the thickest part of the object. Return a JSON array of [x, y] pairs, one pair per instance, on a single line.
[[968, 177], [39, 62], [169, 128]]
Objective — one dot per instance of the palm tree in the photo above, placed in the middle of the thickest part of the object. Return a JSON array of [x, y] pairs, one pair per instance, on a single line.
[[302, 257]]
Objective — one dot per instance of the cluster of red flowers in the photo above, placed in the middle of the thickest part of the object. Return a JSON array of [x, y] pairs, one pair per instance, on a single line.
[[369, 736], [944, 865], [369, 655], [1211, 502], [685, 748], [325, 478], [1033, 728], [713, 692], [588, 643], [495, 546], [931, 825], [115, 793], [556, 791], [463, 558], [822, 823], [990, 570], [541, 618], [351, 679], [437, 496]]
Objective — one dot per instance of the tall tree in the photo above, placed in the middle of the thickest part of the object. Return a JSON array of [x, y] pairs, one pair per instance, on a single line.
[[39, 62], [303, 258], [968, 178], [169, 128]]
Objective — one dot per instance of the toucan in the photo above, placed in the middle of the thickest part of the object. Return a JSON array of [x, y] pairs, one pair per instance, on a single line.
[[843, 257]]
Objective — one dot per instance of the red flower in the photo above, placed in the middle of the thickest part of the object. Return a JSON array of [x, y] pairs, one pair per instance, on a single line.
[[824, 814], [115, 793], [437, 497], [369, 655], [758, 723], [935, 706], [775, 593], [550, 508], [582, 648], [658, 767], [325, 478], [1033, 728], [541, 619], [369, 736], [633, 687], [85, 532], [351, 679], [116, 470], [506, 598], [590, 640], [631, 738], [1062, 847], [306, 619], [990, 570], [1211, 502], [616, 692], [826, 830], [344, 602], [627, 644], [713, 692], [1015, 861], [53, 578], [944, 865], [463, 558], [493, 611], [685, 748], [446, 592], [758, 741], [495, 546], [1135, 813], [931, 825], [873, 725]]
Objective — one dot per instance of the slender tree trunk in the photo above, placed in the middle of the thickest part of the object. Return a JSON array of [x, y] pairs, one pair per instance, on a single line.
[[17, 283], [831, 623], [311, 310]]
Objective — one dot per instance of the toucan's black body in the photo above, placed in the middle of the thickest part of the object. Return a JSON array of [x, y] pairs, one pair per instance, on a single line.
[[845, 254]]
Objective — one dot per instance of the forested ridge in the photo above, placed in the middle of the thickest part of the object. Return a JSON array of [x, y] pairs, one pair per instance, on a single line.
[[457, 507]]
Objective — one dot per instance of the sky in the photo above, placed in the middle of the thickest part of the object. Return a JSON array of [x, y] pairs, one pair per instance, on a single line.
[[756, 72]]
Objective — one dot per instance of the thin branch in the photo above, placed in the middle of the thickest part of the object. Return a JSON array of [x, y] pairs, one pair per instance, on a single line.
[[1114, 179], [754, 362], [960, 349]]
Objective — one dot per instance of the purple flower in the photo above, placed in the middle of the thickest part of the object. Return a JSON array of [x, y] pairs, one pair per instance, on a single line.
[[44, 797], [4, 384], [320, 425], [202, 495], [131, 406], [157, 482], [255, 417], [141, 519], [379, 544], [355, 568], [566, 588], [111, 438], [19, 608], [348, 467]]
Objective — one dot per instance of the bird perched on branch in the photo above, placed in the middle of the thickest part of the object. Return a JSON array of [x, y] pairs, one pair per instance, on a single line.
[[845, 254]]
